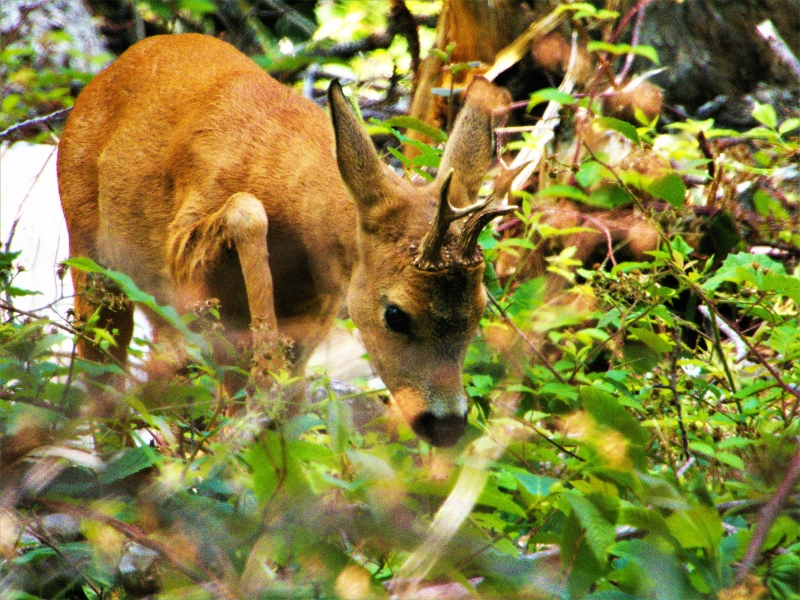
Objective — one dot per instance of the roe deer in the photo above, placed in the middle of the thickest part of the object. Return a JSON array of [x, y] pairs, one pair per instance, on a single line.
[[186, 166]]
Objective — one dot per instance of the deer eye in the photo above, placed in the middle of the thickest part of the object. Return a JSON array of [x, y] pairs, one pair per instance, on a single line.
[[397, 320]]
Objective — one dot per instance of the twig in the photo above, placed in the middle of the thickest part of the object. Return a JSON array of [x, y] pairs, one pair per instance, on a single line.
[[35, 121], [756, 354], [71, 330], [533, 347], [140, 537], [767, 516]]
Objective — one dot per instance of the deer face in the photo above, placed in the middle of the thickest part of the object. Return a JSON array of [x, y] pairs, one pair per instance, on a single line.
[[416, 292], [416, 326]]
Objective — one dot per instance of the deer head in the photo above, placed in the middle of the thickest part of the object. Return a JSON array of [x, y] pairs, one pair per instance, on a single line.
[[416, 292]]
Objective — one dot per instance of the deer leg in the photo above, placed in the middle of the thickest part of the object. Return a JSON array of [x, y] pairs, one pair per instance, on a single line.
[[195, 243], [245, 224]]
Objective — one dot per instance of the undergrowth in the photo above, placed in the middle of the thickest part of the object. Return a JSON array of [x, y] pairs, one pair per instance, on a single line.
[[633, 431]]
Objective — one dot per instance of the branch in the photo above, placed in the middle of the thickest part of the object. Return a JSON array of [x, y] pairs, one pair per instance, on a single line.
[[140, 537], [400, 22], [767, 516], [35, 121]]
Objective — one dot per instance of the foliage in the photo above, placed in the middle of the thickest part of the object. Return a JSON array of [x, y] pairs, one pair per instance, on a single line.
[[624, 433], [28, 87]]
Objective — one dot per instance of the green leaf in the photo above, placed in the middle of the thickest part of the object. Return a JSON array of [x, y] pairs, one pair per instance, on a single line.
[[129, 288], [274, 469], [623, 127], [550, 95], [609, 195], [606, 411], [600, 533], [129, 462], [440, 54], [647, 519], [729, 459], [426, 160], [744, 268], [765, 114], [610, 595], [646, 51], [789, 125], [563, 191], [670, 188], [767, 206], [417, 125], [9, 103], [339, 424], [402, 158], [702, 448], [697, 527], [535, 485], [590, 173], [492, 497], [654, 341], [198, 6]]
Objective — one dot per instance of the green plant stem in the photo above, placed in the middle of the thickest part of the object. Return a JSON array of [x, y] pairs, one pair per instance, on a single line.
[[721, 353], [673, 385], [507, 320], [755, 353]]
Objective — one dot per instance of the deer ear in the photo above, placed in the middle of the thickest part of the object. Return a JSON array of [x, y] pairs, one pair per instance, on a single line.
[[470, 149], [359, 164]]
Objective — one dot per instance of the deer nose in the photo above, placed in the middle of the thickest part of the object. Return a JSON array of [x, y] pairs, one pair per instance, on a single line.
[[440, 431]]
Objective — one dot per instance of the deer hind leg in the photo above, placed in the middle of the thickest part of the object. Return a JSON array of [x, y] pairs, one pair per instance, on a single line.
[[115, 315], [197, 242]]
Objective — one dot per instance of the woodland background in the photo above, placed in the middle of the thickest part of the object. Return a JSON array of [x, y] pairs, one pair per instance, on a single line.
[[633, 431]]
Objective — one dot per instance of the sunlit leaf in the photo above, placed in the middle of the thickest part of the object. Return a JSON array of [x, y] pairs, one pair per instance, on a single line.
[[670, 188], [623, 127]]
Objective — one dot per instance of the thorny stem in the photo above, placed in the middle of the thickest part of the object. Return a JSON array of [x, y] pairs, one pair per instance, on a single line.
[[640, 6], [767, 516], [634, 42]]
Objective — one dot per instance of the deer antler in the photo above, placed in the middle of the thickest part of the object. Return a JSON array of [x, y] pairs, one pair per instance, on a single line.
[[429, 256], [468, 240]]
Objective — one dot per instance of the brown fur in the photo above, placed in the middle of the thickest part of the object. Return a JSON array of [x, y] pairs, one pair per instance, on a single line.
[[184, 150]]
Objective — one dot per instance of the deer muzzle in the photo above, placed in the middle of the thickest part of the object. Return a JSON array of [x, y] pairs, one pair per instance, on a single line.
[[440, 431], [438, 418]]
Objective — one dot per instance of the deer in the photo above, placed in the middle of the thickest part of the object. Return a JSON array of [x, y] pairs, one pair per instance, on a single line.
[[188, 168]]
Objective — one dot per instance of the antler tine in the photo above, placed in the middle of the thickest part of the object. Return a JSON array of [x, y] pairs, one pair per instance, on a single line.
[[468, 240], [430, 256]]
